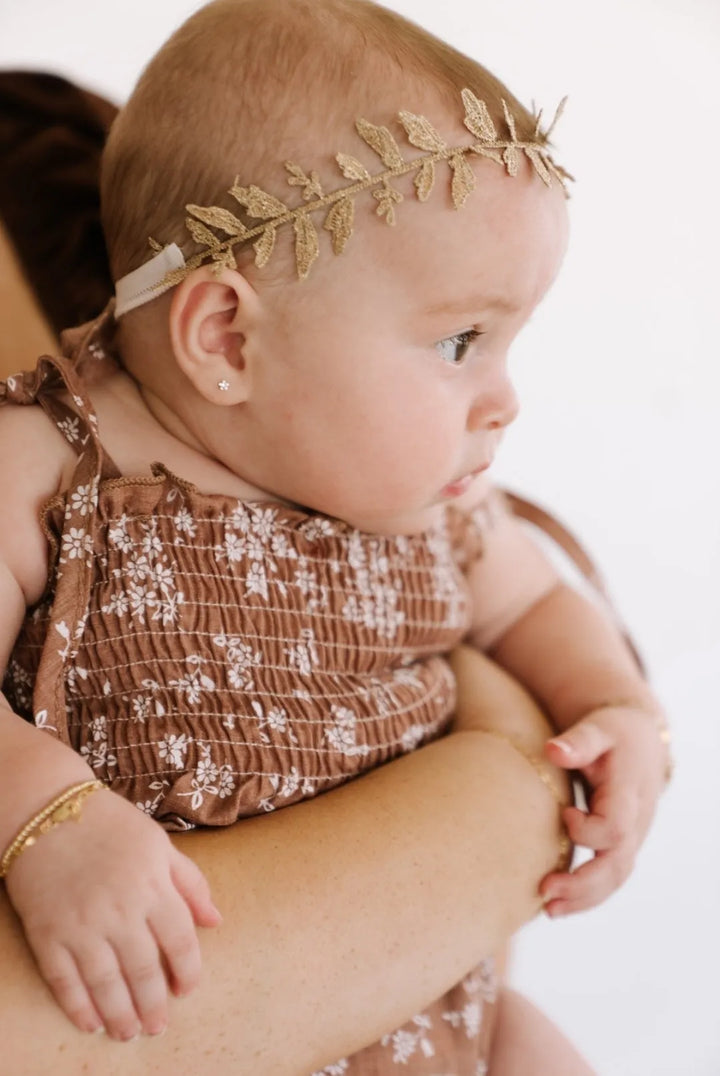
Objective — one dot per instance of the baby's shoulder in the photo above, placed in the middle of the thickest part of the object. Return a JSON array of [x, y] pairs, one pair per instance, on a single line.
[[35, 459]]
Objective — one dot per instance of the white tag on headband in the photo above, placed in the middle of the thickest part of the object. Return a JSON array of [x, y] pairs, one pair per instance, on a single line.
[[144, 283]]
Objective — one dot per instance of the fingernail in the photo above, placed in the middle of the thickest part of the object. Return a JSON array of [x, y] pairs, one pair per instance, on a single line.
[[157, 1031], [564, 747]]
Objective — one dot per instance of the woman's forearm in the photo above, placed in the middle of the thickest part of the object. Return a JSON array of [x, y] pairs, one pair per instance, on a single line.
[[342, 916]]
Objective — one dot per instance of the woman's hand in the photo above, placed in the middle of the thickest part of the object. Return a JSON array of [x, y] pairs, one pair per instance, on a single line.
[[109, 908]]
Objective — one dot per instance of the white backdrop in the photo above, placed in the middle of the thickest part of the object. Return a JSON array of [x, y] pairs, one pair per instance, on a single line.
[[619, 434]]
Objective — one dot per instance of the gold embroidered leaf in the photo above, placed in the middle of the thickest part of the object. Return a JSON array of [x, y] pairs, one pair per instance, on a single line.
[[174, 276], [477, 118], [351, 167], [558, 113], [310, 184], [421, 132], [257, 202], [510, 121], [560, 173], [486, 151], [306, 244], [463, 179], [225, 259], [538, 121], [201, 234], [264, 247], [424, 180], [339, 222], [218, 218], [538, 164], [387, 198], [380, 139], [511, 160]]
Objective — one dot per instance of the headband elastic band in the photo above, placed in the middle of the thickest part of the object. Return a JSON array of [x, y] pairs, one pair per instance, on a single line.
[[146, 282]]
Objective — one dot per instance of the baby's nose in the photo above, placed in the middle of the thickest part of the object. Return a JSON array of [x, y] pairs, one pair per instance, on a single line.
[[495, 406]]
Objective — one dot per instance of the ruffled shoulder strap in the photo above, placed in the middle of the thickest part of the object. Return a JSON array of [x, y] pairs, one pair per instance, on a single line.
[[59, 384]]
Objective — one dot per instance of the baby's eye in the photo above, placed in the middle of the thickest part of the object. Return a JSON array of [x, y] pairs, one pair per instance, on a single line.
[[454, 348]]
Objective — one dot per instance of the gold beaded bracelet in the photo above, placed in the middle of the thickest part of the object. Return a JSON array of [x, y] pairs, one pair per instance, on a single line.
[[67, 805]]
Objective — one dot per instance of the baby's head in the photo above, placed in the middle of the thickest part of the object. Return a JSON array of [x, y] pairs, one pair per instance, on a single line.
[[374, 386]]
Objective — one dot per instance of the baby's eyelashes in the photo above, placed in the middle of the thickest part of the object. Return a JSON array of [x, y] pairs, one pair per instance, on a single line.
[[453, 349]]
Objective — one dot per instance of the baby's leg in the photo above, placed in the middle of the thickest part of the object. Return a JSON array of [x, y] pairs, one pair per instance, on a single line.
[[526, 1043]]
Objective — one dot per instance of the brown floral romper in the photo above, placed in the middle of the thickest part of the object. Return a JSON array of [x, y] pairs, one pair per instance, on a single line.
[[213, 658]]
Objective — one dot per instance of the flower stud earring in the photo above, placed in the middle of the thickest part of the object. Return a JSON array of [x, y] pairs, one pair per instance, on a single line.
[[223, 385]]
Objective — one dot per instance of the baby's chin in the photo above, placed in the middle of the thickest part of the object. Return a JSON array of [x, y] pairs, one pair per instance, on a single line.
[[408, 523]]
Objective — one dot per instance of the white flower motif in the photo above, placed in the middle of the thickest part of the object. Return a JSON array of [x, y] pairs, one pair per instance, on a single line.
[[84, 498], [119, 537], [76, 543], [469, 1017], [262, 522], [405, 1042], [256, 580], [173, 748], [209, 779], [195, 681], [233, 548], [98, 727], [338, 1069], [342, 735], [304, 655], [97, 755], [206, 772], [276, 720], [317, 528], [70, 428], [412, 736], [185, 523]]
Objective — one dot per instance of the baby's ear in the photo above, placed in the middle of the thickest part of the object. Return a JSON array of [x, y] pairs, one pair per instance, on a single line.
[[210, 317]]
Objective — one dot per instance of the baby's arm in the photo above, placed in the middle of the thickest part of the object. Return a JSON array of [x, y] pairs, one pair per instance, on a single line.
[[570, 655], [108, 903]]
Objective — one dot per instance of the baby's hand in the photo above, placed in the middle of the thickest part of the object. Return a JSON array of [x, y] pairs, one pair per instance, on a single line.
[[109, 908], [619, 751]]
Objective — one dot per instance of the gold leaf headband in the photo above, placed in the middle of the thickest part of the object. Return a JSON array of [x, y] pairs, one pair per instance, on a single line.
[[267, 213]]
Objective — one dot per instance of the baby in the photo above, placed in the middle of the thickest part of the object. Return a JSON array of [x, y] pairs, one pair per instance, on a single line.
[[265, 613]]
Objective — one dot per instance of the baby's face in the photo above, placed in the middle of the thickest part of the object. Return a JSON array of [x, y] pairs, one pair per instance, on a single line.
[[383, 387]]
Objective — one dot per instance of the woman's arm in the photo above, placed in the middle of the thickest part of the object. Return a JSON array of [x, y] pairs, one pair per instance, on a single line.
[[343, 915]]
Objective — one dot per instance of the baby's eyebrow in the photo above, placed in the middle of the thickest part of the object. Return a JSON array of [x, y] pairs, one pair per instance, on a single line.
[[473, 303]]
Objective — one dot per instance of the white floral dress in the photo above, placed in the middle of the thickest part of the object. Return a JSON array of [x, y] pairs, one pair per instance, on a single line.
[[214, 659]]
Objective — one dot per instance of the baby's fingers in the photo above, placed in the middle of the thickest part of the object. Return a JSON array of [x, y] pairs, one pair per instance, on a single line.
[[192, 886], [601, 831], [580, 745], [178, 942], [109, 991], [57, 966], [589, 885], [142, 968]]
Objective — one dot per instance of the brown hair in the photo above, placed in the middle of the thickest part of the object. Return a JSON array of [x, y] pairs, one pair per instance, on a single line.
[[245, 84]]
